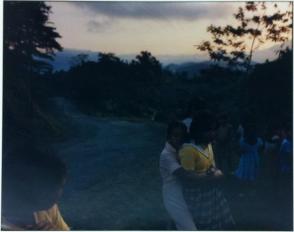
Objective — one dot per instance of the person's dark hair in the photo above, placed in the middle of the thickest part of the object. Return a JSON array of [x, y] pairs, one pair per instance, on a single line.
[[31, 179], [197, 103], [175, 125], [202, 122]]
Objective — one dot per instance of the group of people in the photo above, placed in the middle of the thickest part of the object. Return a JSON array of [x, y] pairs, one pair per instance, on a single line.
[[193, 171], [265, 159], [191, 179]]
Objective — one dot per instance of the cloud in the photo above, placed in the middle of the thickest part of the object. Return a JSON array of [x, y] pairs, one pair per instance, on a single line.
[[158, 10], [96, 26]]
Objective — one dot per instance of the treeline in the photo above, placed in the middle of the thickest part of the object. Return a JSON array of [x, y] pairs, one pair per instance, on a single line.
[[142, 88], [268, 91], [112, 86]]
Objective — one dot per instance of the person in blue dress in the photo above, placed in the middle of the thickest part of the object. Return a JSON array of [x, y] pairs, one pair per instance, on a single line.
[[250, 147]]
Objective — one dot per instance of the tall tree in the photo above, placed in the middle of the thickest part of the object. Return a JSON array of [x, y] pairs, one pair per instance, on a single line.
[[256, 23], [275, 79], [147, 68], [29, 38]]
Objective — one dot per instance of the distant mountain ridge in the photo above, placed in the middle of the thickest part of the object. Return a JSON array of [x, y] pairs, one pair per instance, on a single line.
[[62, 59], [190, 68], [181, 63]]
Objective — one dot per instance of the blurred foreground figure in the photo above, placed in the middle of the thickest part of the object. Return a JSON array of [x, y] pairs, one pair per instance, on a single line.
[[32, 185]]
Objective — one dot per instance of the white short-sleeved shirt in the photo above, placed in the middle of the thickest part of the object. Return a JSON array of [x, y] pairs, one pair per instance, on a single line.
[[173, 198], [168, 164]]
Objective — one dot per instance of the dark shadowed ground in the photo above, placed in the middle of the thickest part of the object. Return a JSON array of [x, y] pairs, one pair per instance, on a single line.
[[114, 181]]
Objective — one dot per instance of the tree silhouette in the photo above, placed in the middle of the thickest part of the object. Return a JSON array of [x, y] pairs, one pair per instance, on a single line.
[[235, 45], [29, 43], [79, 59], [275, 79], [146, 58], [107, 57], [147, 67], [29, 38]]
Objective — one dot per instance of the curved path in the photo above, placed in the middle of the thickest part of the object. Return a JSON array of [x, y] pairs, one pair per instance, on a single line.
[[114, 181]]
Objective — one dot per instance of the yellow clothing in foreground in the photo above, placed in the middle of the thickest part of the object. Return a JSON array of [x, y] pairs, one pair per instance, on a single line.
[[195, 158], [53, 216]]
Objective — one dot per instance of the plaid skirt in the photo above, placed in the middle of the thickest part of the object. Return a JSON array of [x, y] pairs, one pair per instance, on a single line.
[[209, 208]]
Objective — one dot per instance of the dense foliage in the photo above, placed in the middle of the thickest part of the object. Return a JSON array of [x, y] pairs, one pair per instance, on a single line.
[[29, 40], [269, 91], [113, 87], [28, 36], [256, 23]]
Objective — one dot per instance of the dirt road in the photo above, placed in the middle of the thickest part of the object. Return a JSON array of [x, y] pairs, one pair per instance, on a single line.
[[114, 181]]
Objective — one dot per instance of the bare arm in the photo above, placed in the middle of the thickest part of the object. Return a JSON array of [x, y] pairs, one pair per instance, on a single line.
[[191, 176]]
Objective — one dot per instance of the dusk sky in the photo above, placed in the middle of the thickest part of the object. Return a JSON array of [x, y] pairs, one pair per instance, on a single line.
[[163, 28]]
